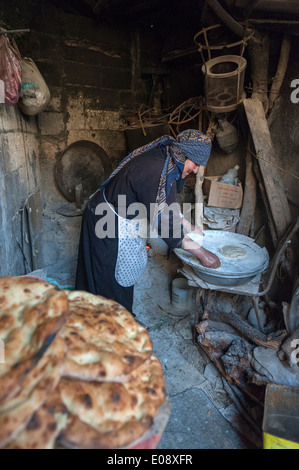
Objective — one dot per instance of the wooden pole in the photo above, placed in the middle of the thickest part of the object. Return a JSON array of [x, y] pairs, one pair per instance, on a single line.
[[199, 197], [267, 160], [200, 178], [258, 50], [281, 70], [249, 199]]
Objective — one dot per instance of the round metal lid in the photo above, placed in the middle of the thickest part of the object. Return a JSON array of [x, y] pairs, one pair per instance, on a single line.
[[83, 162], [254, 261]]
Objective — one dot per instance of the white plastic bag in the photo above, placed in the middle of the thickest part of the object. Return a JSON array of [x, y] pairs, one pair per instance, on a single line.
[[35, 94]]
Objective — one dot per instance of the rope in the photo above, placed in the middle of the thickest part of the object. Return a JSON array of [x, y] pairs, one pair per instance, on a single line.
[[273, 164]]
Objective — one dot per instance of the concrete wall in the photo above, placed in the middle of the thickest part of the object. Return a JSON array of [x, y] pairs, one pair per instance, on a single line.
[[93, 71], [19, 178]]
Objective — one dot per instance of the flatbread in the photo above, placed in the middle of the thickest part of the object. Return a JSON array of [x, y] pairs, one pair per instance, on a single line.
[[14, 418], [233, 252], [79, 370], [109, 415], [104, 342], [44, 426], [32, 312]]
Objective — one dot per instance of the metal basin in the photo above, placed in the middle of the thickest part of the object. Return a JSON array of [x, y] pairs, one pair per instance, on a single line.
[[232, 272]]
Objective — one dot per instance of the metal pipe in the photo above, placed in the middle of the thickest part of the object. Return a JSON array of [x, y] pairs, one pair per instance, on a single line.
[[233, 25]]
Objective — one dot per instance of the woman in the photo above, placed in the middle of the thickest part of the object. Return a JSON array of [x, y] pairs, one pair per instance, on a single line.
[[112, 249]]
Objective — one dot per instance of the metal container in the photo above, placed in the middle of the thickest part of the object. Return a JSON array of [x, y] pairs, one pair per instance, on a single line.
[[281, 417], [181, 297], [224, 81], [232, 272]]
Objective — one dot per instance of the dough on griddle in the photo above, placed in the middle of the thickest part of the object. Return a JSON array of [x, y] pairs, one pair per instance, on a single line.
[[232, 252]]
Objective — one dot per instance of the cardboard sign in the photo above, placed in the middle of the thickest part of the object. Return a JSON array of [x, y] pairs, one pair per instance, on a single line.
[[221, 194]]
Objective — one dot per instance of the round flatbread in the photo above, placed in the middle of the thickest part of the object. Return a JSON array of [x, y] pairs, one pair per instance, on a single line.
[[16, 416], [104, 342], [232, 252], [32, 312], [79, 370], [107, 415], [44, 426]]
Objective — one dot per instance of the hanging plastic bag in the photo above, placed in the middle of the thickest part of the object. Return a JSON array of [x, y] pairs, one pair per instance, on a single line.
[[10, 71], [35, 94]]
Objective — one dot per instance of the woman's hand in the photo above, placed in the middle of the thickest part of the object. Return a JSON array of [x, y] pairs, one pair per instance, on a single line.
[[207, 258]]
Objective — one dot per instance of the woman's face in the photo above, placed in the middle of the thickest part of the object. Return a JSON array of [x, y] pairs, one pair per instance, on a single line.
[[190, 167]]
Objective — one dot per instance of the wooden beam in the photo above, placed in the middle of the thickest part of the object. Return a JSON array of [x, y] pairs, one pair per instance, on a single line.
[[267, 160], [199, 200], [281, 70], [271, 225], [258, 50], [249, 199]]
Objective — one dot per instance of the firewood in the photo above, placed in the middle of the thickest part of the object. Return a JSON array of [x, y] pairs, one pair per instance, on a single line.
[[214, 358], [245, 330], [210, 325]]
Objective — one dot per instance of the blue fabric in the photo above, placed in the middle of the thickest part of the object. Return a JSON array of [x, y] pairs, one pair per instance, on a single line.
[[195, 145], [161, 141], [190, 144]]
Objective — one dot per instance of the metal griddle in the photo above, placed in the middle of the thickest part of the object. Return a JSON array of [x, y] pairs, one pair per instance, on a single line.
[[79, 172], [85, 163]]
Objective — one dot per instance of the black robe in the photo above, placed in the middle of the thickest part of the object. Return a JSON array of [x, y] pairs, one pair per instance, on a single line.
[[138, 180]]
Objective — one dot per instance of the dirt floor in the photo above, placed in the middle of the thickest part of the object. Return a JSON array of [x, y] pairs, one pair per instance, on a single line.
[[202, 416]]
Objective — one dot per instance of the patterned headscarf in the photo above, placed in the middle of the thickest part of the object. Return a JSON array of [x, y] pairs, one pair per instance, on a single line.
[[190, 144]]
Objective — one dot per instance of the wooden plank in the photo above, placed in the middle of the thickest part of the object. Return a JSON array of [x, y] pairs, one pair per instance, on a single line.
[[267, 159], [199, 197], [32, 229], [249, 199], [266, 203]]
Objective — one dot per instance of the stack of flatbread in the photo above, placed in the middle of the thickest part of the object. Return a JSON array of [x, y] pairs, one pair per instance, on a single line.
[[78, 371]]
